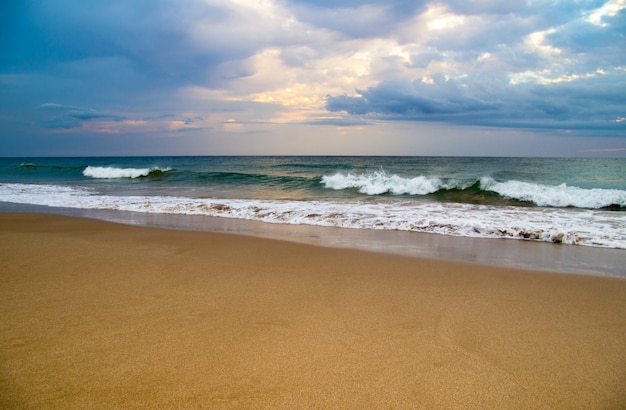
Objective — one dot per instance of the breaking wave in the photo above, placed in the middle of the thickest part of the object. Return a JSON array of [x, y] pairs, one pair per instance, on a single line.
[[381, 182], [485, 190], [559, 196], [112, 172]]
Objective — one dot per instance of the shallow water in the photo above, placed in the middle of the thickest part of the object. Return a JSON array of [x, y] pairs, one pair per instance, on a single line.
[[496, 252]]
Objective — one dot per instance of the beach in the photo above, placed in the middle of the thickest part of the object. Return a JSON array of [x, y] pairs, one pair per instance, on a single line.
[[103, 315]]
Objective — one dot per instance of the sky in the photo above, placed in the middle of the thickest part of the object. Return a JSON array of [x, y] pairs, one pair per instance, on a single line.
[[313, 77]]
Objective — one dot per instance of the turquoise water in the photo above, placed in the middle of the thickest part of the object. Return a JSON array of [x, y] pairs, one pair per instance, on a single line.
[[572, 201]]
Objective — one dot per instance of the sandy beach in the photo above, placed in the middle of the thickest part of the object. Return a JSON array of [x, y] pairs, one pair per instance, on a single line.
[[103, 315]]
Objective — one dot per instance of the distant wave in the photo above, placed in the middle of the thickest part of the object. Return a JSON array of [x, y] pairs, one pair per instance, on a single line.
[[29, 166], [112, 172], [485, 190], [312, 166], [222, 177]]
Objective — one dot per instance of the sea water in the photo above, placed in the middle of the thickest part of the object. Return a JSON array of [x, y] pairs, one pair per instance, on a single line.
[[567, 201]]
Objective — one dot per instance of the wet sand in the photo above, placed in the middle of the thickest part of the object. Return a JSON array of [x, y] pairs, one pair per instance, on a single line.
[[103, 315]]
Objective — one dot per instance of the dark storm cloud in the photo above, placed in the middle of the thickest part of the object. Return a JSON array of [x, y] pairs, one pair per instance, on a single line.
[[65, 116], [155, 38], [587, 104], [414, 99]]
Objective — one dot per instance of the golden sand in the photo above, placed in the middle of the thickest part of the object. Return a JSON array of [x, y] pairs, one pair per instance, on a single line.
[[101, 315]]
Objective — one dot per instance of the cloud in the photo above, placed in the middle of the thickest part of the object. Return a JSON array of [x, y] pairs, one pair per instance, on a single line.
[[339, 122], [66, 116], [356, 19], [603, 150], [156, 68], [508, 65], [597, 33], [200, 42], [490, 102], [487, 6], [411, 99]]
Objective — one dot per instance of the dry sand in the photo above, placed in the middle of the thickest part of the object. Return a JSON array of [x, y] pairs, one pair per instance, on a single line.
[[95, 314]]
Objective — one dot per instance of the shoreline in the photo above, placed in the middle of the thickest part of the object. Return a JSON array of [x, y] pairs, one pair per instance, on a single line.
[[508, 253], [99, 314]]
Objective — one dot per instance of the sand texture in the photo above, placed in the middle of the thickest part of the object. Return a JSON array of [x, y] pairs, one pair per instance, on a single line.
[[101, 315]]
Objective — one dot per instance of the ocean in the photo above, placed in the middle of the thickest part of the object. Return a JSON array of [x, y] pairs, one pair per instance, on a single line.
[[565, 215], [574, 202]]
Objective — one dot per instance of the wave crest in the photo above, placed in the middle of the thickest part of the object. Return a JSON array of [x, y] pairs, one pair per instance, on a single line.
[[485, 190], [381, 182], [560, 196], [112, 172]]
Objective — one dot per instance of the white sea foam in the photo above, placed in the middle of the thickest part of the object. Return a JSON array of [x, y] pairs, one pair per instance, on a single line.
[[381, 182], [556, 196], [560, 196], [572, 226], [112, 172]]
